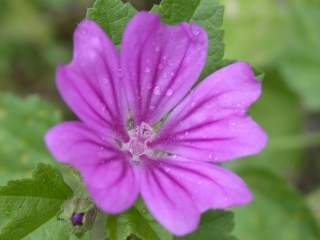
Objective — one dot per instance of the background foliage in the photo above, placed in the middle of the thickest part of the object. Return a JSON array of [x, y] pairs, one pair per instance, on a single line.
[[279, 37]]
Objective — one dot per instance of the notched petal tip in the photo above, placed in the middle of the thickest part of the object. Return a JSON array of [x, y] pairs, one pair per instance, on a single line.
[[161, 62], [88, 39], [146, 14], [196, 33], [114, 187], [244, 70], [86, 27]]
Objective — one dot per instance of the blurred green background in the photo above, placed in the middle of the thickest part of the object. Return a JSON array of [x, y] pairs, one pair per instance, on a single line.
[[279, 37]]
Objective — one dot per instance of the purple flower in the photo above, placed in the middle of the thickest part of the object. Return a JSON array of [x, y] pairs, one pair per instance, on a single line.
[[144, 131]]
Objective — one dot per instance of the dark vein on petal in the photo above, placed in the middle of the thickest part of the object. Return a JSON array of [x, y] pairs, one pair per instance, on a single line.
[[192, 171], [174, 78], [90, 141], [112, 85], [138, 80], [217, 139], [153, 83], [120, 177], [92, 88], [199, 105], [174, 180], [155, 180], [87, 103]]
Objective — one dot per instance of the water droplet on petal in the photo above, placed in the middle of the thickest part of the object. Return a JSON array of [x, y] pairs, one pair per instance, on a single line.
[[169, 92], [147, 70], [160, 66], [104, 139], [157, 90], [83, 31], [233, 123], [195, 30], [120, 73], [104, 80]]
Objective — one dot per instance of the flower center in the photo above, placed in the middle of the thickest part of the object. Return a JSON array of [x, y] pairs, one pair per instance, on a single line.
[[140, 136]]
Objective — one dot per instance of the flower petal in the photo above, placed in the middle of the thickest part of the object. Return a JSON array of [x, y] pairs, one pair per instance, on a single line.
[[176, 191], [75, 144], [211, 123], [110, 179], [90, 84], [160, 63], [167, 201], [114, 185]]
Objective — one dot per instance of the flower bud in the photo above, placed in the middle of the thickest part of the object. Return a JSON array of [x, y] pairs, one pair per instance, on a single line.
[[80, 213], [77, 219]]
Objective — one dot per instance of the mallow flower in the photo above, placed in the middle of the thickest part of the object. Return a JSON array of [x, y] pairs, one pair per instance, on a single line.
[[148, 129]]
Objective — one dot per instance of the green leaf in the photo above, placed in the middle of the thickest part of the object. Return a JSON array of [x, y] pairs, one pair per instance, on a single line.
[[23, 123], [51, 230], [255, 31], [278, 111], [282, 33], [208, 14], [138, 223], [113, 16], [278, 211], [215, 225], [135, 222], [300, 63], [313, 200], [31, 204]]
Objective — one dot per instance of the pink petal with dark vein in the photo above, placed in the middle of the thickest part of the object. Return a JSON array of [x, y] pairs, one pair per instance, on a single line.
[[91, 84], [160, 63], [177, 191], [211, 124], [110, 178]]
